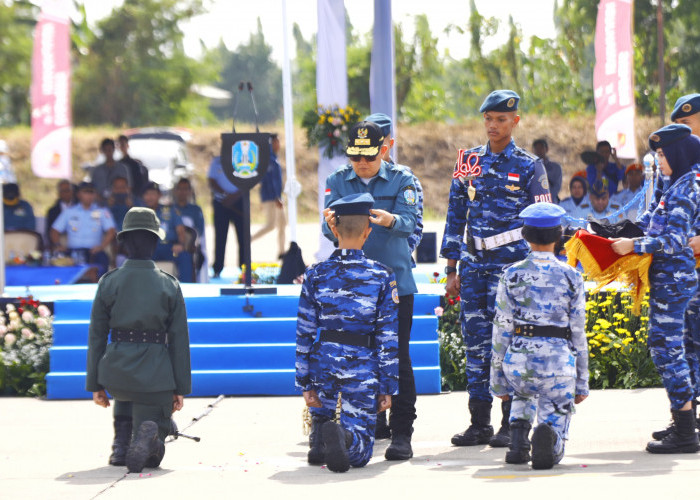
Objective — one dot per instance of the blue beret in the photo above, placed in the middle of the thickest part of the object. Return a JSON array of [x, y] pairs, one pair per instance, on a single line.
[[686, 106], [600, 188], [382, 121], [353, 204], [542, 215], [500, 100], [668, 135]]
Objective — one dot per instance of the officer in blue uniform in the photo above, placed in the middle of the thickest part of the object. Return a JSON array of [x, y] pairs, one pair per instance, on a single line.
[[672, 278], [578, 205], [540, 351], [18, 213], [393, 220], [385, 124], [491, 185], [353, 301]]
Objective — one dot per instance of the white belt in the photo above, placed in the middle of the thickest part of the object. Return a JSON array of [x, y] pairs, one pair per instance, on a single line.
[[498, 240]]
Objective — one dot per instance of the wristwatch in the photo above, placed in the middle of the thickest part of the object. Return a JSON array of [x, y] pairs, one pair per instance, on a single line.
[[450, 269]]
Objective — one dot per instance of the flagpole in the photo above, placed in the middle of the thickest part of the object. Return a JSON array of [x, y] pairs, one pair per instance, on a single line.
[[662, 76]]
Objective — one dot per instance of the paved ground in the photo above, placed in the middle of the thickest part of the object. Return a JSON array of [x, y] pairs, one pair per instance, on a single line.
[[254, 447]]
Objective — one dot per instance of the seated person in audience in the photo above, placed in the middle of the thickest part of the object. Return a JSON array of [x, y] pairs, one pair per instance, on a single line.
[[104, 174], [601, 208], [191, 215], [577, 206], [89, 229], [66, 198], [634, 175], [18, 212], [171, 249], [120, 200]]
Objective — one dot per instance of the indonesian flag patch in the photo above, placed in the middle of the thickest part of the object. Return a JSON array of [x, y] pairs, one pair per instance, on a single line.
[[328, 191], [513, 177], [697, 177], [662, 204]]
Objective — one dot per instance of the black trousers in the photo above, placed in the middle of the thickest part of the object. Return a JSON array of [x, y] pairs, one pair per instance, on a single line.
[[223, 216], [403, 405]]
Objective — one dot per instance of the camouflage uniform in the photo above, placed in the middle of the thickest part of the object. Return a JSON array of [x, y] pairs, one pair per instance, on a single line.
[[352, 294], [673, 281], [544, 373], [509, 181]]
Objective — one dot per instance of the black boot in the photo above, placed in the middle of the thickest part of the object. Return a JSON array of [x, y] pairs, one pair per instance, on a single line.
[[155, 459], [144, 446], [122, 439], [544, 443], [519, 452], [382, 430], [659, 435], [480, 431], [681, 439], [502, 438], [336, 442], [315, 455], [400, 448]]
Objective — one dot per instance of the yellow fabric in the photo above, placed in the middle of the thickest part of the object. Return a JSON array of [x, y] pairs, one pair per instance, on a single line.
[[631, 269]]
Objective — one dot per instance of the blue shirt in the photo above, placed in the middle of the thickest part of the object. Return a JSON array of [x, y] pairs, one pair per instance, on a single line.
[[169, 220], [579, 212], [216, 172], [84, 227], [393, 190], [191, 216], [271, 185], [415, 238], [20, 216], [612, 172]]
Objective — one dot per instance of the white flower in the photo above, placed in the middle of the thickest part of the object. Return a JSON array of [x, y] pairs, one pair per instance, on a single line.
[[27, 334], [336, 121], [3, 330], [27, 317], [336, 133], [10, 339], [438, 311], [10, 307], [44, 311], [41, 323], [14, 324], [14, 316]]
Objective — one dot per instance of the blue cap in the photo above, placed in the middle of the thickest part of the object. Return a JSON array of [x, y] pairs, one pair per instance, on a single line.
[[600, 188], [542, 214], [668, 135], [382, 121], [364, 139], [686, 106], [353, 204], [500, 100]]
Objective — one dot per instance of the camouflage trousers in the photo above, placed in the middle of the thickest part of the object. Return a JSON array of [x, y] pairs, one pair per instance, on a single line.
[[357, 381], [668, 338], [692, 340], [478, 293]]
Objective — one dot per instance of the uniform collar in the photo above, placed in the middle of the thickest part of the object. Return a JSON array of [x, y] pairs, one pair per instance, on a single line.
[[346, 253], [507, 152], [138, 263], [543, 255], [382, 172]]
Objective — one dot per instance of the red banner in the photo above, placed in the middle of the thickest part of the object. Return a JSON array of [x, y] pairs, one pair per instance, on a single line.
[[50, 92], [612, 76]]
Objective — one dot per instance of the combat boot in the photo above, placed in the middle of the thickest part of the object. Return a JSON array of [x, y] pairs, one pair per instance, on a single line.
[[382, 430], [336, 442], [144, 446], [400, 448], [519, 452], [157, 457], [502, 438], [480, 430], [122, 439], [315, 455], [544, 447], [659, 435], [681, 439]]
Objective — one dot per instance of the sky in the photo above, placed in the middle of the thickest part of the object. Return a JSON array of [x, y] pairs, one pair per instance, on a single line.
[[233, 20]]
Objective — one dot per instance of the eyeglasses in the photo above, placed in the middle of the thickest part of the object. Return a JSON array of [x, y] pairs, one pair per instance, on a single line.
[[357, 158]]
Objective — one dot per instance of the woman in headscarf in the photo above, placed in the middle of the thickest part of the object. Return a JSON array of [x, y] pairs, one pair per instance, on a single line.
[[577, 206]]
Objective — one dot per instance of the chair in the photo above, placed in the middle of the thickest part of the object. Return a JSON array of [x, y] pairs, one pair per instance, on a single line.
[[21, 242]]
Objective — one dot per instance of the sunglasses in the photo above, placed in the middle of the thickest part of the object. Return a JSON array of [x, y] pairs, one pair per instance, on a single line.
[[357, 158]]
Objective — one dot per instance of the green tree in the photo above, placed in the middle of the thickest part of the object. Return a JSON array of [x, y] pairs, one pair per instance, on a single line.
[[134, 70]]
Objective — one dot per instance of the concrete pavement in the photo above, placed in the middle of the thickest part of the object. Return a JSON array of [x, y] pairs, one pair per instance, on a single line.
[[254, 447]]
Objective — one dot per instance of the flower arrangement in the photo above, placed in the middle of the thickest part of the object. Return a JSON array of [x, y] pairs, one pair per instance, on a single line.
[[328, 128], [26, 334], [262, 273]]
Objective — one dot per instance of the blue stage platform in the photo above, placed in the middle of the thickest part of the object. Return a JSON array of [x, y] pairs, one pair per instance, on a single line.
[[235, 351]]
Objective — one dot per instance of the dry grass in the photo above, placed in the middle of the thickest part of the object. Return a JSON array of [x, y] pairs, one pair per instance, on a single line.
[[429, 148]]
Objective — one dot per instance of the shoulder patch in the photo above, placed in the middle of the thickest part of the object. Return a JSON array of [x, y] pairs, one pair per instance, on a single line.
[[395, 295], [409, 195], [544, 182]]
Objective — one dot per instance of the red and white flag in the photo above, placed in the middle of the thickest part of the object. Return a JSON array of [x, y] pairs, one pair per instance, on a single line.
[[50, 92], [612, 76]]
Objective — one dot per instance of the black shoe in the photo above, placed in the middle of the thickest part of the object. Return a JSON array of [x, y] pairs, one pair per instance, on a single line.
[[480, 430], [144, 445], [519, 452], [157, 457], [382, 430], [659, 435], [122, 439], [681, 439], [543, 441], [400, 448], [335, 442], [502, 438], [315, 455]]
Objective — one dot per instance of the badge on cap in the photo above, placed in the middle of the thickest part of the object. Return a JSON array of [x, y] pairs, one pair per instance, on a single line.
[[686, 107], [654, 137], [511, 101]]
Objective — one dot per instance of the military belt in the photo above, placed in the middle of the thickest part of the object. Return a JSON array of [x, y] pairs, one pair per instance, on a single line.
[[139, 336], [347, 338], [498, 240], [560, 332]]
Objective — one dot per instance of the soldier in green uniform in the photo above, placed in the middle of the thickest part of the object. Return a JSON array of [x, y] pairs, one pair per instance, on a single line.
[[146, 365]]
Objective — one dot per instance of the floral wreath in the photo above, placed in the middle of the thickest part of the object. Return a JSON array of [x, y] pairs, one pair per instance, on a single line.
[[328, 127]]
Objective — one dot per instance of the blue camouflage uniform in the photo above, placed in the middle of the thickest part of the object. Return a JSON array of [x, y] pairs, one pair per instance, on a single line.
[[543, 373], [509, 181], [19, 216], [352, 294], [672, 280], [169, 220]]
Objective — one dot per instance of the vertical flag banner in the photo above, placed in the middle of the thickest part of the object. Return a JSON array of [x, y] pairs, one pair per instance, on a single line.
[[612, 76], [50, 92], [382, 90]]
